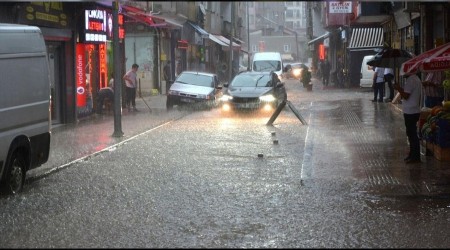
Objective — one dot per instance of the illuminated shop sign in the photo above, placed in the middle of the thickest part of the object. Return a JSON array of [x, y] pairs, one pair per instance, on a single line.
[[80, 76], [94, 26], [109, 27]]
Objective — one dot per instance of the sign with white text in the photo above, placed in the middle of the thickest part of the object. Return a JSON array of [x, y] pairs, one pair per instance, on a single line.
[[340, 7]]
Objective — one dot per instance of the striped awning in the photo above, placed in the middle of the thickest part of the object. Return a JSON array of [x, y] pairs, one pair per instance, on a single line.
[[366, 39]]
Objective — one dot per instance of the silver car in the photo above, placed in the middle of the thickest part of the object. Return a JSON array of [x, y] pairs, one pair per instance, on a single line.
[[192, 87]]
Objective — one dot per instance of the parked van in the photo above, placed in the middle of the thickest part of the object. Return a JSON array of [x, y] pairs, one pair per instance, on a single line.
[[268, 61], [24, 104], [366, 73]]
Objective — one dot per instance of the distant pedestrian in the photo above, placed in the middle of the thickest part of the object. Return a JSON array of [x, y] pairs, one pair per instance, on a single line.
[[388, 77], [378, 84], [167, 72], [411, 113], [111, 81], [325, 68], [131, 83], [167, 75]]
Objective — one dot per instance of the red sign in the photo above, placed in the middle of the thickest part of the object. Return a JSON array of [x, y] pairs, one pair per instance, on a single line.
[[103, 65], [321, 52], [80, 76], [182, 44]]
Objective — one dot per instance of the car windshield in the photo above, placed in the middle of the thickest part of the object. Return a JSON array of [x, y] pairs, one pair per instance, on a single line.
[[251, 81], [266, 66], [196, 79]]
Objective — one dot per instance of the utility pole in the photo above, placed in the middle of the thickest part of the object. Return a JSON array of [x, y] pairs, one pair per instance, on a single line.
[[117, 67], [230, 61], [248, 38]]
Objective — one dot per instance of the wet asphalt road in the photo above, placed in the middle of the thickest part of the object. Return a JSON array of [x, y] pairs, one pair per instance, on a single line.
[[338, 182]]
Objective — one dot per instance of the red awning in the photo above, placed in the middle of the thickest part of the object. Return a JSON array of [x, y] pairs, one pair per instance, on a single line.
[[140, 16], [436, 59]]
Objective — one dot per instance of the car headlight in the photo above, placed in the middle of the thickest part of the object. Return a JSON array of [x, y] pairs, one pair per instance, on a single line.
[[173, 92], [267, 98], [297, 72], [226, 98], [203, 96]]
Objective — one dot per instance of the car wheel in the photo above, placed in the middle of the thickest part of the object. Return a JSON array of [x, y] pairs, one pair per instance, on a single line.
[[15, 175], [169, 104]]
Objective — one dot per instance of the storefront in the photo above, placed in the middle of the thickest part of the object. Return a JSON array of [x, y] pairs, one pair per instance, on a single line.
[[94, 57], [56, 23]]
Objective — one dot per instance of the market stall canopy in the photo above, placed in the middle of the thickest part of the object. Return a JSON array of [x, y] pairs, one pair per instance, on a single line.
[[436, 59]]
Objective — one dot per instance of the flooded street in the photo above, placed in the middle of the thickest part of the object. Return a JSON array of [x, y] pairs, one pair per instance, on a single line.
[[205, 180]]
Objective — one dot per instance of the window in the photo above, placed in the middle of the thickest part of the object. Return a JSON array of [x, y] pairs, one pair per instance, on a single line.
[[289, 13], [287, 48], [254, 48]]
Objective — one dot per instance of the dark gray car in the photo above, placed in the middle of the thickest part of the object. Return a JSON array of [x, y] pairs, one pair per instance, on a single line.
[[253, 91]]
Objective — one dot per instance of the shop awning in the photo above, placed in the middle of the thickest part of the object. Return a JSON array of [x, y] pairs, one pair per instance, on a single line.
[[227, 42], [319, 38], [142, 17], [366, 39], [203, 33], [217, 40]]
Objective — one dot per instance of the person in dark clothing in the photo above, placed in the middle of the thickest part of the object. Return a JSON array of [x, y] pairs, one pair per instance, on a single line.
[[325, 68], [388, 77], [166, 71], [103, 95], [167, 75]]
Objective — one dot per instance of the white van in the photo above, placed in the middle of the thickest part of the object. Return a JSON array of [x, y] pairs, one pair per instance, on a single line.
[[24, 104], [366, 73], [268, 61]]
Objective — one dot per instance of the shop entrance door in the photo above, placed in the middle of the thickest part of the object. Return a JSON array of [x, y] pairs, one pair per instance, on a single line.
[[54, 55]]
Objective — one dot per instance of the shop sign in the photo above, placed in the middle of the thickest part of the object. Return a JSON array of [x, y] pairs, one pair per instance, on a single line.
[[46, 14], [109, 27], [340, 7], [80, 75], [103, 65], [321, 52], [182, 44], [94, 26]]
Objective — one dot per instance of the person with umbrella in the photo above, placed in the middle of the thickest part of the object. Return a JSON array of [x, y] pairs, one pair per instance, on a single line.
[[378, 84], [410, 94]]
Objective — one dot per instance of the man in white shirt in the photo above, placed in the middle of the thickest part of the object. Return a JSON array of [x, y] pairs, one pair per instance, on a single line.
[[411, 113], [131, 82], [378, 84]]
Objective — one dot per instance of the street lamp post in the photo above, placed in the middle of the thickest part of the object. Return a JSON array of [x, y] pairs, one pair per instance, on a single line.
[[117, 80]]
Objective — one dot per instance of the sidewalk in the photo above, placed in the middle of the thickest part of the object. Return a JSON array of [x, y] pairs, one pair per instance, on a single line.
[[70, 142]]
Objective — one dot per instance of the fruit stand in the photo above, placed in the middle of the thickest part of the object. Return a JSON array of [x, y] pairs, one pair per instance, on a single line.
[[434, 126]]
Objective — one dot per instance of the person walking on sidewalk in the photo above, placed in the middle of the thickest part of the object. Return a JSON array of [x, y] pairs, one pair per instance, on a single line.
[[167, 75], [131, 83], [388, 77], [411, 113], [325, 68], [378, 84]]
